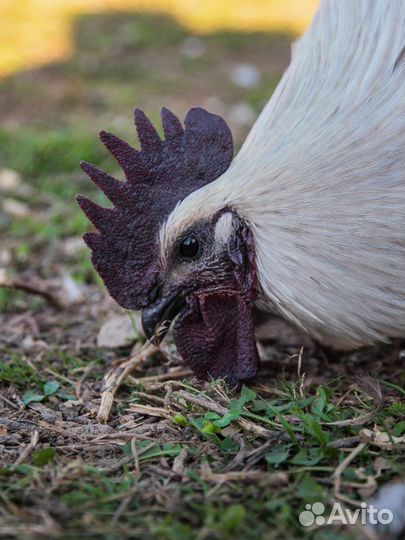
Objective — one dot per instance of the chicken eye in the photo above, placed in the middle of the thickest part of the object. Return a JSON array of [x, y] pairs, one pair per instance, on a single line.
[[189, 247]]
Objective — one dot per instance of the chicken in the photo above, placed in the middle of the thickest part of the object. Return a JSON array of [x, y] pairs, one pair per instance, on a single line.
[[308, 221]]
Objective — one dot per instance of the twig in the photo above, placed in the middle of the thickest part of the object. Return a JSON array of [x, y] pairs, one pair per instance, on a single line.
[[78, 385], [10, 282], [370, 483], [168, 396], [270, 479], [239, 457], [135, 456], [358, 421], [179, 462], [147, 410], [61, 431], [120, 437], [124, 504], [169, 376], [337, 475], [301, 377], [92, 446], [171, 357], [59, 376], [28, 449], [9, 402], [348, 500], [257, 454], [117, 374], [345, 441]]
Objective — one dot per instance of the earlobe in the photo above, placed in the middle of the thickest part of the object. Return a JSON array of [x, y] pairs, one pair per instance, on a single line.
[[241, 252]]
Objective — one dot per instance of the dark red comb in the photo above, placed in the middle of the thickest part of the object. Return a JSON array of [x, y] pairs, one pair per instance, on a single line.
[[125, 250]]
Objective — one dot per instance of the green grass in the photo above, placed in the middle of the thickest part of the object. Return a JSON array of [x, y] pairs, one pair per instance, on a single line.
[[38, 154], [159, 508]]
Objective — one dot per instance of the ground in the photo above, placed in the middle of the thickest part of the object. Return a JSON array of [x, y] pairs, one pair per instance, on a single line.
[[177, 458]]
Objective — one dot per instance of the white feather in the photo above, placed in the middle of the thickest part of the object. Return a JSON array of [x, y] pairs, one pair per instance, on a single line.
[[224, 228], [321, 179]]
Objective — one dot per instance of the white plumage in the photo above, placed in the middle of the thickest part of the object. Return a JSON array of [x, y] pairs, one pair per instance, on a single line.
[[321, 179]]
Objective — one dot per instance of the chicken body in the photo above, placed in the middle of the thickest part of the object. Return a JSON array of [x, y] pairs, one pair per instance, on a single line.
[[307, 221], [320, 180]]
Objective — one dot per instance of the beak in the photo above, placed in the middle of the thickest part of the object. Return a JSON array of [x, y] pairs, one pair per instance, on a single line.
[[157, 317]]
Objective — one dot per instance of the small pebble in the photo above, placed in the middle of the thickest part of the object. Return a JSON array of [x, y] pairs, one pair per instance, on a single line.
[[242, 114], [9, 180], [193, 47], [245, 76]]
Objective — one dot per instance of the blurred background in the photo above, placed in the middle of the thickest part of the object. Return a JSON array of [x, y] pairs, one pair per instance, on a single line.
[[69, 68]]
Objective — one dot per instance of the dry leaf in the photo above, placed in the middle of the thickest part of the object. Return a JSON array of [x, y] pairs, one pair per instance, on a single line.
[[381, 437], [119, 331], [9, 180], [15, 208], [380, 464], [179, 462]]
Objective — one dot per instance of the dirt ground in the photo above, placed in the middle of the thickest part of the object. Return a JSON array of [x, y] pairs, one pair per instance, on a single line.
[[176, 458]]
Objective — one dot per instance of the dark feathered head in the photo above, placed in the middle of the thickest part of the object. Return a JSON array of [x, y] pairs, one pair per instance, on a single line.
[[208, 276]]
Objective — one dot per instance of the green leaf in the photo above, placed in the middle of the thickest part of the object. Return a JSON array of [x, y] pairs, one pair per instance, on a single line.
[[212, 416], [67, 397], [199, 424], [288, 428], [302, 404], [6, 471], [228, 418], [181, 420], [313, 427], [210, 428], [321, 400], [397, 408], [43, 456], [24, 468], [51, 387], [224, 421], [273, 504], [31, 396], [320, 405], [277, 456], [392, 385], [247, 394], [229, 446], [309, 489], [170, 450], [399, 429], [233, 518], [194, 475], [309, 458]]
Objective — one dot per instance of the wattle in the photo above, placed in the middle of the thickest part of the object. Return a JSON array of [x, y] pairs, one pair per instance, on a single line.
[[215, 337]]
